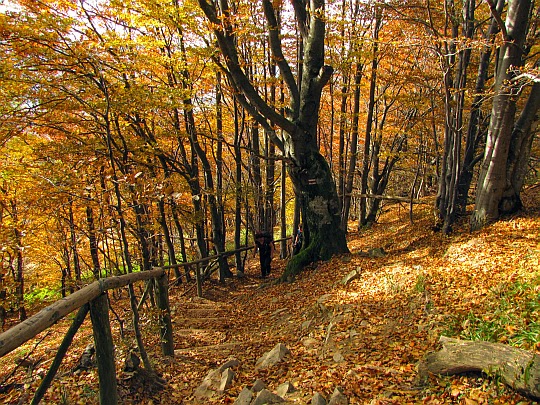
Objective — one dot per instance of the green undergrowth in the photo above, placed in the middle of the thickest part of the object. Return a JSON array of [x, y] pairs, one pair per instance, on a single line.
[[43, 294], [514, 317]]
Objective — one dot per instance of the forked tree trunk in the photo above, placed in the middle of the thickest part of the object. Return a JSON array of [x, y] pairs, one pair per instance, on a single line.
[[492, 181], [520, 152], [310, 173]]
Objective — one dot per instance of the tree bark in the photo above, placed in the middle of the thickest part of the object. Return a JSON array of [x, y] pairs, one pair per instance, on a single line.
[[519, 369], [493, 176], [519, 154], [166, 332], [309, 171], [237, 192], [349, 181], [366, 159], [456, 63], [19, 274], [475, 129]]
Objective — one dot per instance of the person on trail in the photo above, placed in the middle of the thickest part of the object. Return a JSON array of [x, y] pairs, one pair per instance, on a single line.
[[298, 239], [264, 244]]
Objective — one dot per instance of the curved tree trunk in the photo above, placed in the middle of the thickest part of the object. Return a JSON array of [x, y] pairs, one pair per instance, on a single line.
[[310, 173]]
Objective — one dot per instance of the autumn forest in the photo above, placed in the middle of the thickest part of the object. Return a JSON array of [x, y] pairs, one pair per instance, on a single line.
[[146, 134]]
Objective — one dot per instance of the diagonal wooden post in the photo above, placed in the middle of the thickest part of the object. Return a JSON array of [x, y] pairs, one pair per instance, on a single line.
[[62, 350]]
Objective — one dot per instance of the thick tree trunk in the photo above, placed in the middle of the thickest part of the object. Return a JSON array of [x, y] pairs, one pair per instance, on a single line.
[[519, 154], [309, 171], [517, 368], [476, 130], [493, 177], [322, 216]]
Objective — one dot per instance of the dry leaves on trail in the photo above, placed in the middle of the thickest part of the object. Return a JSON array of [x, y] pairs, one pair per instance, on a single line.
[[366, 336]]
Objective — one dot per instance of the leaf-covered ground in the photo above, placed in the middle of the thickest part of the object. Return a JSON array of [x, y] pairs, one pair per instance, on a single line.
[[366, 336]]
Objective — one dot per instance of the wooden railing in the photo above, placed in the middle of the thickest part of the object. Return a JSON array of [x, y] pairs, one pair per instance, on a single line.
[[91, 296]]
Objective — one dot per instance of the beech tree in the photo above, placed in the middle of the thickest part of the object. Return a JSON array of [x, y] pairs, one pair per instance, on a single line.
[[495, 189], [307, 168]]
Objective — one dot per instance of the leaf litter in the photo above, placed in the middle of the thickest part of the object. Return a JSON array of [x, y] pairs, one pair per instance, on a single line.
[[365, 337]]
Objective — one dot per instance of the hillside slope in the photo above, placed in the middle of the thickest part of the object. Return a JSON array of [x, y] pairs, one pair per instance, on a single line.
[[365, 337]]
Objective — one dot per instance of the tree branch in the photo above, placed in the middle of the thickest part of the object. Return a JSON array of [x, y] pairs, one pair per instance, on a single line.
[[226, 42], [497, 16], [277, 52]]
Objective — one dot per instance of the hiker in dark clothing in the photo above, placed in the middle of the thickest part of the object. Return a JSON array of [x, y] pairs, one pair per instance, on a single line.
[[264, 243], [298, 239]]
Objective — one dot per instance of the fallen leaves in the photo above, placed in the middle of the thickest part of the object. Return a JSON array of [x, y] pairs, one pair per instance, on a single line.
[[366, 336]]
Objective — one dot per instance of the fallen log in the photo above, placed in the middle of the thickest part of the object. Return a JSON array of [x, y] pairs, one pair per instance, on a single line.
[[517, 368]]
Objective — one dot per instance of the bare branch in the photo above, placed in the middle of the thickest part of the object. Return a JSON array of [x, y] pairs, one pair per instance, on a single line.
[[277, 52], [497, 16]]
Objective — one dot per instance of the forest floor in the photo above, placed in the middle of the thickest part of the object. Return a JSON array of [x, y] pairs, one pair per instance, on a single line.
[[366, 336]]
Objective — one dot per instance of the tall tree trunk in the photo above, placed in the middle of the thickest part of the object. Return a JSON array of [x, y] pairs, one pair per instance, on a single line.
[[492, 181], [257, 183], [347, 195], [19, 274], [362, 220], [342, 119], [237, 192], [475, 129], [455, 79]]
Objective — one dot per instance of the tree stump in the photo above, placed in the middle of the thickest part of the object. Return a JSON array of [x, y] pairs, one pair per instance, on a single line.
[[517, 368]]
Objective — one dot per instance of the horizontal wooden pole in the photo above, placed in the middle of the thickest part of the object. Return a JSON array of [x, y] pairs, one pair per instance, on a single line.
[[26, 330], [208, 258]]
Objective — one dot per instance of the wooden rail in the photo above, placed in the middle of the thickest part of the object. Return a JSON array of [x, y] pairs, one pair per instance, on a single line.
[[26, 330], [92, 294]]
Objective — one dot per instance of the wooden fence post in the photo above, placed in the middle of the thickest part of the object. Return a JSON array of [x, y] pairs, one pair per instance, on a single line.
[[162, 293], [199, 281], [99, 313]]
